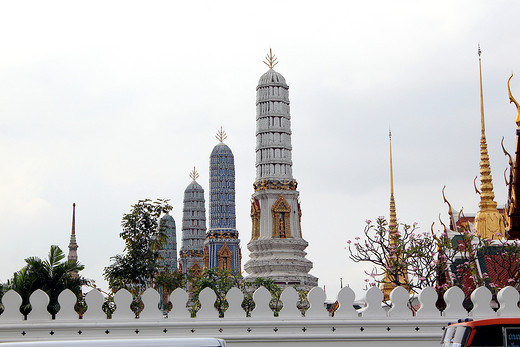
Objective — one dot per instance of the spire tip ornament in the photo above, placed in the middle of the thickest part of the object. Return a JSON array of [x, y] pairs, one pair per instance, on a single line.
[[221, 135], [194, 174], [271, 59]]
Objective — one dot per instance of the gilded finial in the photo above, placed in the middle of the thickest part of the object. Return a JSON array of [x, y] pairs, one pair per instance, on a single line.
[[513, 101], [221, 135], [194, 174], [271, 59]]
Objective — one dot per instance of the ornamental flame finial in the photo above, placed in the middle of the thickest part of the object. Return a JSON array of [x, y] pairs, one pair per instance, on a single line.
[[221, 135], [271, 59], [194, 174]]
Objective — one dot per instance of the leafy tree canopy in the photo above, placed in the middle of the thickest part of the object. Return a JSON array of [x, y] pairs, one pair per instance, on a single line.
[[52, 275], [144, 235]]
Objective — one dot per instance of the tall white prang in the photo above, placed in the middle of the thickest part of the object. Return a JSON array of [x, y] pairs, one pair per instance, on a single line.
[[277, 246]]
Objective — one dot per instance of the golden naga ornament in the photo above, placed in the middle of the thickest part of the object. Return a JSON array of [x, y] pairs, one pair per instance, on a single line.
[[513, 101]]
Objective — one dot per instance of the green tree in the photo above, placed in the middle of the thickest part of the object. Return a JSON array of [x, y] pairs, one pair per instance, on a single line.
[[221, 281], [166, 282], [52, 275], [144, 235]]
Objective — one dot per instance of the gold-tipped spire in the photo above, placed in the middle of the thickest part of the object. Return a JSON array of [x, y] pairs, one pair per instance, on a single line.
[[194, 174], [489, 222], [221, 135], [401, 274], [393, 216], [271, 59], [513, 101]]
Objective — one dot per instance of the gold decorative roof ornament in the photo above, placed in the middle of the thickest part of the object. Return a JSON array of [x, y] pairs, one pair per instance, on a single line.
[[194, 174], [453, 224], [512, 206], [513, 101], [221, 135], [489, 223], [271, 59]]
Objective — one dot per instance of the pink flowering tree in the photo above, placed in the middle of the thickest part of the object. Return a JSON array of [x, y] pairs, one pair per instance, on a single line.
[[405, 257], [415, 260]]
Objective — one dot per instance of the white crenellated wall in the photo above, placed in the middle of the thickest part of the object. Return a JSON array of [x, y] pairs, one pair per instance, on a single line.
[[371, 325]]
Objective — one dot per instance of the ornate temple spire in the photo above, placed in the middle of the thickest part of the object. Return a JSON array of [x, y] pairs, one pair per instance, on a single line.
[[393, 216], [222, 246], [193, 227], [73, 246], [512, 206], [488, 221], [402, 276]]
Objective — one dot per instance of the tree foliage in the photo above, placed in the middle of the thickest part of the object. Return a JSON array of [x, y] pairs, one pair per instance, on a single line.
[[144, 234], [52, 275], [221, 281]]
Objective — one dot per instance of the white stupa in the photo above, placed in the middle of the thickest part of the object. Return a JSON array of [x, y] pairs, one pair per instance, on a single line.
[[277, 246]]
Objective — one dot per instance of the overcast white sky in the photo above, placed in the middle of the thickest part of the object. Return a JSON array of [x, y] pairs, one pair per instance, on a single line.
[[103, 103]]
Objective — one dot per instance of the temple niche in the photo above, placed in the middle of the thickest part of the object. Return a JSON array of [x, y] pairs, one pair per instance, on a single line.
[[281, 222]]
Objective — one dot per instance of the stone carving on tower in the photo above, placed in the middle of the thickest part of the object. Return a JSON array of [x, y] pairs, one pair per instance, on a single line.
[[193, 227], [277, 247], [169, 249], [222, 246], [489, 223]]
